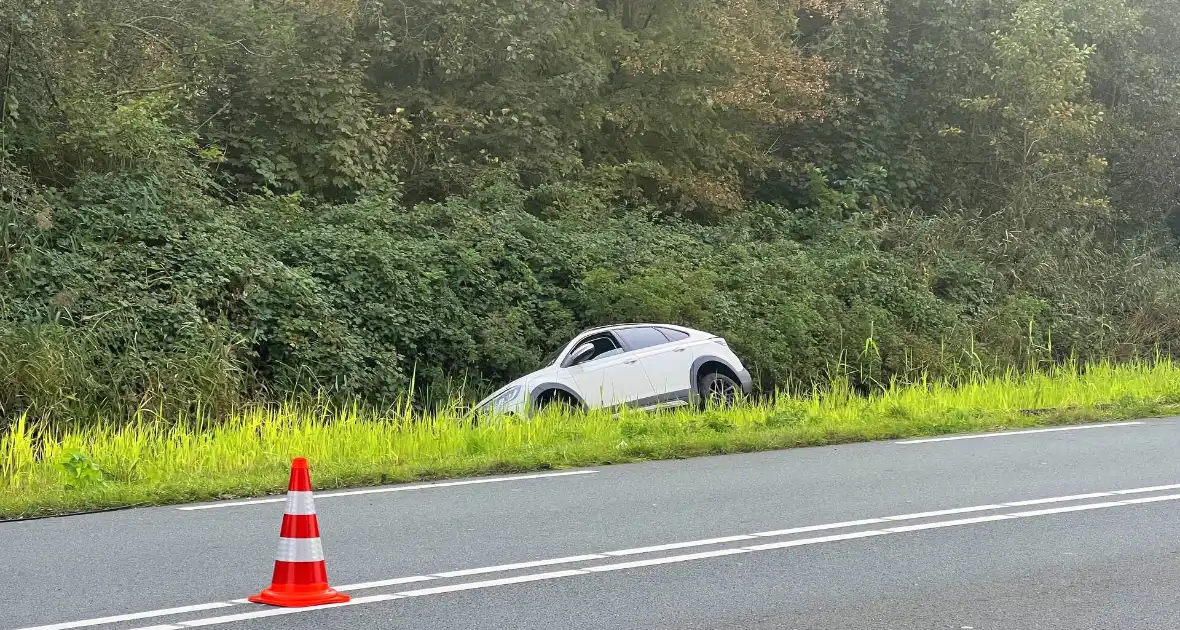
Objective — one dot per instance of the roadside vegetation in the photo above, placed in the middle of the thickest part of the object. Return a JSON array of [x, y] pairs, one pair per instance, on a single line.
[[146, 461], [217, 203], [212, 208]]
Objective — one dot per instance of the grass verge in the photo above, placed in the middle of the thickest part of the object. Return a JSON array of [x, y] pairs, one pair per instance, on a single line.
[[152, 462]]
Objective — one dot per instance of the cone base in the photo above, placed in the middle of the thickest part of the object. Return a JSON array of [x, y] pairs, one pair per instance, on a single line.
[[299, 599]]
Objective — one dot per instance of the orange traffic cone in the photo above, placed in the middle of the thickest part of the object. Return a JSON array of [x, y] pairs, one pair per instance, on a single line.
[[300, 575]]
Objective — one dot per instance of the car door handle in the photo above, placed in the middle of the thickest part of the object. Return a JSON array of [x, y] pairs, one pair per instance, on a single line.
[[630, 361], [679, 350]]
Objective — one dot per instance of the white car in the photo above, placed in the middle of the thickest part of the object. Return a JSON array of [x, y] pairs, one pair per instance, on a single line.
[[645, 366]]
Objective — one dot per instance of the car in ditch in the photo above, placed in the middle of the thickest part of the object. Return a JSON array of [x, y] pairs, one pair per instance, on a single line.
[[643, 366]]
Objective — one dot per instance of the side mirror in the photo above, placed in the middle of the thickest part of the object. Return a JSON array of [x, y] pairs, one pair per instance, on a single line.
[[583, 352]]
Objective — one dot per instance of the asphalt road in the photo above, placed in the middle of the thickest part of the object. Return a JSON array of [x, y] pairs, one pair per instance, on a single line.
[[1015, 547]]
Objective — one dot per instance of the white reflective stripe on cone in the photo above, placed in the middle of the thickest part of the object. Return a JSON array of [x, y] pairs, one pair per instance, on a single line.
[[300, 550], [299, 502]]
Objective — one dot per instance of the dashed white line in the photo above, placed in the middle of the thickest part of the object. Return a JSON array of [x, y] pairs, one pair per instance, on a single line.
[[976, 436], [648, 562], [419, 486]]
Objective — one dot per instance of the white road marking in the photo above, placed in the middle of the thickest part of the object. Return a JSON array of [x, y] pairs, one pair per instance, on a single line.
[[918, 515], [1068, 508], [815, 541], [816, 528], [380, 583], [419, 486], [1075, 497], [520, 565], [665, 560], [180, 610], [954, 523], [490, 583], [679, 545], [976, 436], [622, 566], [1150, 489], [1167, 497]]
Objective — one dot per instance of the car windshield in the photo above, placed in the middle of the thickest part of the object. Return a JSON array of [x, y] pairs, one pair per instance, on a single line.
[[551, 357]]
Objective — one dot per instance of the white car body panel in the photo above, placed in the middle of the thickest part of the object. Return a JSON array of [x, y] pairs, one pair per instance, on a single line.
[[669, 366], [649, 377], [611, 380]]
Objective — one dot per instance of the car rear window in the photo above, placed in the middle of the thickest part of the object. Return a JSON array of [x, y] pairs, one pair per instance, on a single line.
[[673, 335], [638, 338]]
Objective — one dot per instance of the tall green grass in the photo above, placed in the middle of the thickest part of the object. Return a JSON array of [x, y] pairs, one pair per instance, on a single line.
[[151, 461]]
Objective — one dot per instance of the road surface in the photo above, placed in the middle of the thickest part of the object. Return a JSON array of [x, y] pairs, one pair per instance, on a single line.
[[1069, 529]]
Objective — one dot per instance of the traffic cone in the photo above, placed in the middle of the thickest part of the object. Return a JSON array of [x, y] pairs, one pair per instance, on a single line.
[[300, 575]]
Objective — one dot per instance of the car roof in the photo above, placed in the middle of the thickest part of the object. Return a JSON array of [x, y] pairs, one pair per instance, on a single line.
[[638, 325]]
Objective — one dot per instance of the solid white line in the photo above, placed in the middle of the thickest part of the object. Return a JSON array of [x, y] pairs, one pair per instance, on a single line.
[[817, 528], [1166, 497], [380, 583], [490, 583], [976, 436], [679, 545], [180, 610], [918, 515], [268, 612], [520, 565], [954, 523], [695, 543], [1072, 497], [1150, 489], [1068, 508], [666, 560], [815, 541], [420, 486]]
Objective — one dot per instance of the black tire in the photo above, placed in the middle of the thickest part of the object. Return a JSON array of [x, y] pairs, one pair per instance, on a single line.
[[558, 401], [717, 390]]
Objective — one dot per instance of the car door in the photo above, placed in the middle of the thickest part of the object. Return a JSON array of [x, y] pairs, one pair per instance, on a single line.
[[667, 364], [611, 378]]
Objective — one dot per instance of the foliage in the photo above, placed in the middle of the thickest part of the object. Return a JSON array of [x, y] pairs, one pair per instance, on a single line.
[[210, 203]]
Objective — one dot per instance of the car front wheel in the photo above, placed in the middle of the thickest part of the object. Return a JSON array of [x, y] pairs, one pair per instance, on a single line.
[[718, 390]]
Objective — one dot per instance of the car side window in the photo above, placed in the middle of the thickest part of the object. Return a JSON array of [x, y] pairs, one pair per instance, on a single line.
[[604, 345], [673, 335], [640, 338]]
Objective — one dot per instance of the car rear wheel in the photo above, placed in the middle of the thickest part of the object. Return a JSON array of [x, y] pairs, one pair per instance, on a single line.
[[718, 390]]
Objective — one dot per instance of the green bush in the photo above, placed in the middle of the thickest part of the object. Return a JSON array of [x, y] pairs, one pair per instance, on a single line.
[[212, 203]]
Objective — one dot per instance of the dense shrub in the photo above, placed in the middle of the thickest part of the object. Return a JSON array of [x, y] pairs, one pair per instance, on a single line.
[[212, 202]]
